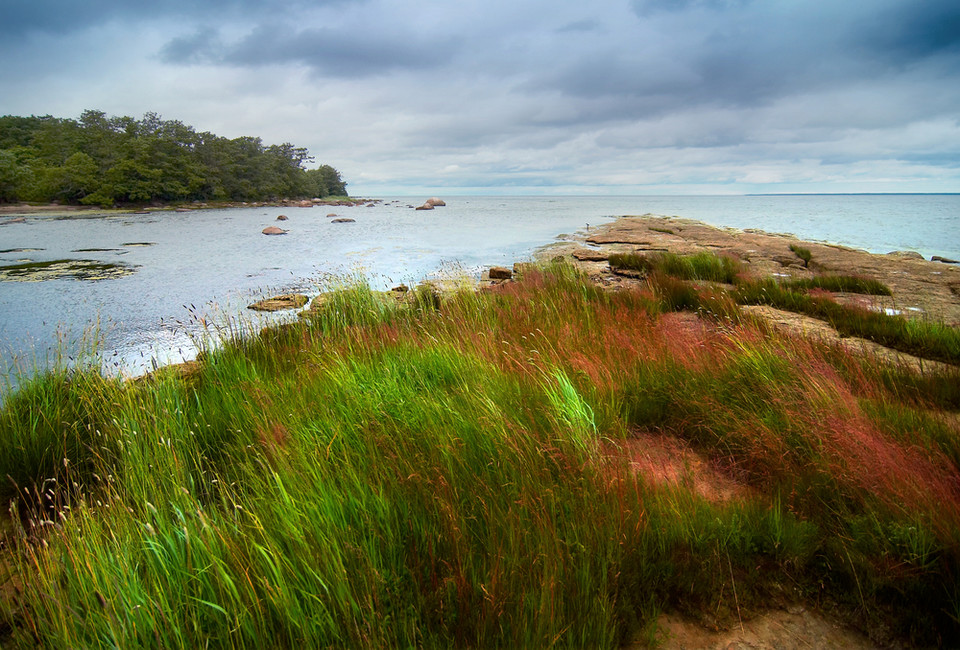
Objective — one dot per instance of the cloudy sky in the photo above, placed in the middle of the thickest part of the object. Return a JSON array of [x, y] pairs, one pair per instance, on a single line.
[[525, 96]]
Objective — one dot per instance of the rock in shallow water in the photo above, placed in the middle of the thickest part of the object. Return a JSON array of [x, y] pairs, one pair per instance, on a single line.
[[273, 230], [277, 303]]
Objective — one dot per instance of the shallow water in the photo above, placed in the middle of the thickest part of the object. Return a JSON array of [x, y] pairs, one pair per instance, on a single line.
[[208, 265]]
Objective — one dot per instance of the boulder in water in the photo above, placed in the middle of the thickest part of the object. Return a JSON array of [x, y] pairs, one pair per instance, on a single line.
[[277, 303], [273, 230]]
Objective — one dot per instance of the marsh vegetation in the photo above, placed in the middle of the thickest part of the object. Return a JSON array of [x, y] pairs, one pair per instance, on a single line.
[[465, 470]]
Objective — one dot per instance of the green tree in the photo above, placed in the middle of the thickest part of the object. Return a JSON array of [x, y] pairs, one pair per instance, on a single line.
[[12, 176], [77, 178], [105, 160], [325, 181]]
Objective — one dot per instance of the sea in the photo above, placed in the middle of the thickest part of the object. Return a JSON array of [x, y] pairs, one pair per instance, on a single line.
[[132, 292]]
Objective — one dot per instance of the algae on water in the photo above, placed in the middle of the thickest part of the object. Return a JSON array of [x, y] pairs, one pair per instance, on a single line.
[[64, 270]]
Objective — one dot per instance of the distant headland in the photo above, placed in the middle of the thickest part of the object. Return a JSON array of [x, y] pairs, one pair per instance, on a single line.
[[121, 161]]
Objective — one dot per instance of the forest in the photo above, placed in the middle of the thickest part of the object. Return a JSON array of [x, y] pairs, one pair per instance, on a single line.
[[106, 161]]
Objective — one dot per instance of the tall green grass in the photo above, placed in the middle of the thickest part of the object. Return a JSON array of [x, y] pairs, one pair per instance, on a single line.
[[839, 283], [455, 471], [927, 339], [700, 266]]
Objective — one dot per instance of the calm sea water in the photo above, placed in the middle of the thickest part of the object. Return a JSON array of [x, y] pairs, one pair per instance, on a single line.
[[211, 264]]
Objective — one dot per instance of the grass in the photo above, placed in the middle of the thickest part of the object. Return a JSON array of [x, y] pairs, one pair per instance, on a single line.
[[839, 283], [455, 472], [702, 266], [926, 339], [803, 253]]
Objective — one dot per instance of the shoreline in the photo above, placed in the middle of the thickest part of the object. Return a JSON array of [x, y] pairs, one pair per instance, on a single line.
[[56, 210], [921, 287], [699, 427]]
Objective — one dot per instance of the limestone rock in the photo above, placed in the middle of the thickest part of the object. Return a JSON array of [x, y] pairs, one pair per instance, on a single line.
[[909, 255], [590, 255], [277, 303]]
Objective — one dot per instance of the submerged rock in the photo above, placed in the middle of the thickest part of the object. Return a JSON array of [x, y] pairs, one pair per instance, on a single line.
[[281, 217], [89, 270], [273, 230], [343, 220], [277, 303]]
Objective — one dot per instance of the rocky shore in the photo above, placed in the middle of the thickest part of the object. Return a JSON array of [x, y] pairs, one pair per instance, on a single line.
[[922, 289]]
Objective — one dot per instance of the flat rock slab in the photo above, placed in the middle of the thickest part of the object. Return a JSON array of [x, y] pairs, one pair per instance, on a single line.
[[919, 286], [281, 302], [590, 255]]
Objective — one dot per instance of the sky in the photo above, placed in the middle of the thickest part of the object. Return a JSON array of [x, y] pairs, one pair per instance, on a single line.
[[525, 96]]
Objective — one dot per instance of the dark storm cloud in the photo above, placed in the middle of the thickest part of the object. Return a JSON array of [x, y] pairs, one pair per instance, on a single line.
[[202, 46], [63, 16], [579, 26], [479, 92], [910, 31], [330, 52], [741, 53], [649, 7]]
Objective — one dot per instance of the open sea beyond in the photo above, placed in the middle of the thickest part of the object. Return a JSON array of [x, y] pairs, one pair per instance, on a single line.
[[141, 286]]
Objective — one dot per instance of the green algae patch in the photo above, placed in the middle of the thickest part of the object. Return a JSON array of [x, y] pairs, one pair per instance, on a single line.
[[89, 270]]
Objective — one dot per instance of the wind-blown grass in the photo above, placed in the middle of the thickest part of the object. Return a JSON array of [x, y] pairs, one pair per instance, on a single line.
[[454, 472], [803, 253], [701, 266], [927, 339], [840, 283]]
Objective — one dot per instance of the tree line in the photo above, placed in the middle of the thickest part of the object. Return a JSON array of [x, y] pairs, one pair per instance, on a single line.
[[100, 160]]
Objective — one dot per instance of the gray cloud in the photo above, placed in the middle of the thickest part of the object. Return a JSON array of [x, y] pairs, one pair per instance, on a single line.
[[340, 53], [62, 16], [496, 92], [645, 8]]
